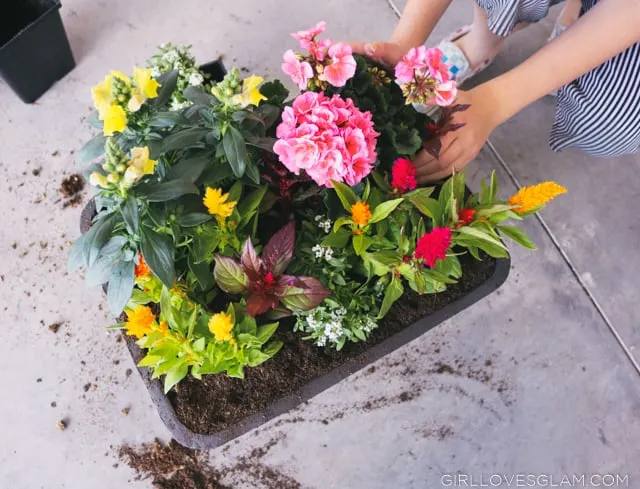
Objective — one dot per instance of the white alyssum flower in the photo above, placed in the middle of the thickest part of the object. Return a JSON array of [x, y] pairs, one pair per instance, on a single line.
[[195, 79], [324, 224], [178, 106], [318, 250], [328, 253], [155, 72], [171, 56]]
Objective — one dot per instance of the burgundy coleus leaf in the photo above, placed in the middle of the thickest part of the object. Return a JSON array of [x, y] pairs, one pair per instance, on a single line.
[[457, 108], [252, 264], [433, 147], [278, 252], [229, 275], [259, 303], [306, 294]]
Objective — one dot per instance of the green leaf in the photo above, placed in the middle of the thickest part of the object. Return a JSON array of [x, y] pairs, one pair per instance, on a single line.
[[158, 252], [255, 357], [165, 305], [174, 376], [96, 237], [265, 332], [251, 202], [272, 348], [229, 275], [384, 209], [341, 221], [346, 195], [235, 149], [380, 181], [338, 239], [493, 187], [76, 254], [428, 206], [361, 243], [517, 235], [168, 82], [394, 291], [166, 119], [201, 271], [120, 286], [150, 361], [184, 139], [382, 261], [194, 219], [169, 190], [129, 211], [481, 235], [189, 169], [458, 186], [93, 149], [199, 97], [252, 172]]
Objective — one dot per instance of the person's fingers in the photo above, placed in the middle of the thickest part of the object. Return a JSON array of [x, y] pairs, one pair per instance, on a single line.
[[432, 165], [435, 176], [384, 53]]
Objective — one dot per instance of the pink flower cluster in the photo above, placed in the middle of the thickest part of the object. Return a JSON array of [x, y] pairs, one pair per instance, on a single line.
[[425, 78], [328, 138], [334, 64]]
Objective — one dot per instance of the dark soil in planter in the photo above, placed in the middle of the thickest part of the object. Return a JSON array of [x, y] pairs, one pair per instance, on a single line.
[[217, 401]]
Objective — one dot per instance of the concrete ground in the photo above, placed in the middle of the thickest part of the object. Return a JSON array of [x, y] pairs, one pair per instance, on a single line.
[[543, 379]]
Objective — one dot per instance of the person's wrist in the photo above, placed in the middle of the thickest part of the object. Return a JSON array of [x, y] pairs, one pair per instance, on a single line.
[[496, 100]]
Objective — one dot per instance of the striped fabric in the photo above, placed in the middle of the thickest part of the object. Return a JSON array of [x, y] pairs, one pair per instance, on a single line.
[[599, 112]]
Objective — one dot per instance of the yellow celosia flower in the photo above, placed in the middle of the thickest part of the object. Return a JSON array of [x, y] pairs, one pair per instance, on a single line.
[[146, 88], [221, 325], [250, 93], [360, 213], [216, 203], [115, 120], [529, 198], [139, 321]]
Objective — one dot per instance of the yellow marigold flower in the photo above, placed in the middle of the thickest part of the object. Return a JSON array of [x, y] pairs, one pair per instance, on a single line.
[[115, 120], [529, 198], [360, 213], [216, 203], [142, 270], [221, 326], [139, 321], [250, 93]]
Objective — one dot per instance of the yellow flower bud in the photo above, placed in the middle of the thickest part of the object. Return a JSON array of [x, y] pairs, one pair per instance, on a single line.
[[97, 179], [113, 178]]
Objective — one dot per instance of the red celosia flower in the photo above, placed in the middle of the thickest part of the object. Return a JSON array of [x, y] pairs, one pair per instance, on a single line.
[[433, 246], [466, 216], [403, 175]]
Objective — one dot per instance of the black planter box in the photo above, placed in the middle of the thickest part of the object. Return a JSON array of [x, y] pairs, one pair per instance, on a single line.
[[190, 439], [34, 49]]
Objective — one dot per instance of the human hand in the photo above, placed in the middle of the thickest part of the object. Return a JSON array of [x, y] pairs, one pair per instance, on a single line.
[[385, 53], [464, 130]]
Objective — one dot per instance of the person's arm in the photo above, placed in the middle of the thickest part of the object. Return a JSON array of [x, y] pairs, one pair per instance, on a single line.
[[607, 29], [418, 19]]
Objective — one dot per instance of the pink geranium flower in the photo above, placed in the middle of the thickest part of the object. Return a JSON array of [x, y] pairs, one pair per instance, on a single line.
[[445, 93], [342, 67], [328, 138], [299, 71], [424, 77], [310, 34]]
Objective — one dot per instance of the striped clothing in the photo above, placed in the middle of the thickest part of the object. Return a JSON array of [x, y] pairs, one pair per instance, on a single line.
[[599, 112]]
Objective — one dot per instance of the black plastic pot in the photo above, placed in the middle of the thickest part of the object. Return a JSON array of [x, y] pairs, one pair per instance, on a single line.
[[189, 439], [34, 49]]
